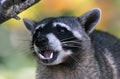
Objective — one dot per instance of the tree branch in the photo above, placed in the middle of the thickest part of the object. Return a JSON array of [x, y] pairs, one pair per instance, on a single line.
[[10, 8]]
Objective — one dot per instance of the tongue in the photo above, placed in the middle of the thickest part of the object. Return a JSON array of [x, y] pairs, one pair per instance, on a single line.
[[47, 54]]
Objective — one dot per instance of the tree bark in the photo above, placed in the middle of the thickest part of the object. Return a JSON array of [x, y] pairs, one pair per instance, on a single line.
[[10, 8]]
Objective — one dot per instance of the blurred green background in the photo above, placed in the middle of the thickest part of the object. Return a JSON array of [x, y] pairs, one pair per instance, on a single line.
[[16, 60]]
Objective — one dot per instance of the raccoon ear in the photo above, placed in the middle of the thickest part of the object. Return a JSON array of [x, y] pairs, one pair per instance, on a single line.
[[30, 25], [90, 19]]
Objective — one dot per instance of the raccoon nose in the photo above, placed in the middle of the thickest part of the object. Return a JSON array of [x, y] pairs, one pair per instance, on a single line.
[[41, 41]]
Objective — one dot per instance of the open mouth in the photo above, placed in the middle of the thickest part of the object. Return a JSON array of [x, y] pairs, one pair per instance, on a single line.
[[46, 54]]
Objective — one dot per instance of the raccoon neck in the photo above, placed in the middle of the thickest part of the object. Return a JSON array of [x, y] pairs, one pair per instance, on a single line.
[[82, 67]]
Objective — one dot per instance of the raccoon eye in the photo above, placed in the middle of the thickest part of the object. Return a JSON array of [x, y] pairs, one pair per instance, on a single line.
[[61, 30]]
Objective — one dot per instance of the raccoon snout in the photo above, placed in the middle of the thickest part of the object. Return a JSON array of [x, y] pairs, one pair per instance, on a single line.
[[41, 41]]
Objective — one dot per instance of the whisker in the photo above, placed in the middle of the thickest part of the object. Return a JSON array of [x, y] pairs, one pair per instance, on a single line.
[[23, 39], [26, 40], [67, 38], [71, 42], [75, 59], [71, 45]]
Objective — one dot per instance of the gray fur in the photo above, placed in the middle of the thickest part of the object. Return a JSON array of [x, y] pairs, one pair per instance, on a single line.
[[97, 58], [30, 25]]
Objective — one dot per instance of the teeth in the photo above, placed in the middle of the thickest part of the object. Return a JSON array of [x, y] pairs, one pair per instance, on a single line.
[[51, 56], [41, 56]]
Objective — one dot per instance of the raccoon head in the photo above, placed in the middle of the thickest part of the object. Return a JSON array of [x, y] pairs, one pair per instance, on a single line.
[[54, 40]]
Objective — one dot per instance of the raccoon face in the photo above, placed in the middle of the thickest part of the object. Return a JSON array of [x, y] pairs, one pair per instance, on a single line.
[[54, 40]]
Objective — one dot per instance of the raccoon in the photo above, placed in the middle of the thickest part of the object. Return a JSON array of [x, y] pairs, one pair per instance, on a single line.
[[68, 47]]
